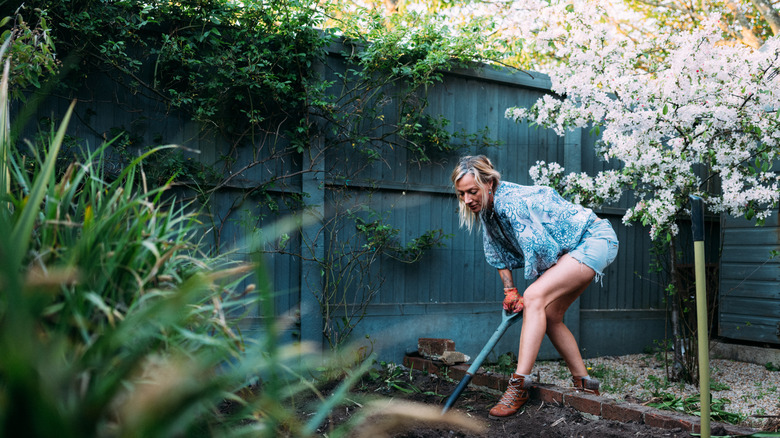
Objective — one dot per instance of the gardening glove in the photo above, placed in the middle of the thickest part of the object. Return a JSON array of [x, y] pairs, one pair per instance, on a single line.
[[512, 301]]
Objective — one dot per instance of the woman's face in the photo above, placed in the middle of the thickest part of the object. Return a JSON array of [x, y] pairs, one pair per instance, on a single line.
[[470, 193]]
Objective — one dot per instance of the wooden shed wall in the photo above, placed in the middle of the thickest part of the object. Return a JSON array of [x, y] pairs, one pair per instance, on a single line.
[[749, 297]]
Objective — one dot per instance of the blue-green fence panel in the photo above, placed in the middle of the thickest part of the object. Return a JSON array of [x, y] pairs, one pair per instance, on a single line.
[[451, 291], [749, 298]]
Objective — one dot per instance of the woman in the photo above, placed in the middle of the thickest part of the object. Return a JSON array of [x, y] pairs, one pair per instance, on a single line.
[[560, 245]]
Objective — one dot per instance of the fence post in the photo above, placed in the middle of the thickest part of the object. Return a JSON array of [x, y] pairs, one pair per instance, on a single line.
[[312, 234], [312, 242]]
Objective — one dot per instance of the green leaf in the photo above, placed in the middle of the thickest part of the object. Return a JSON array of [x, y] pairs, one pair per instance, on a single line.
[[98, 301], [666, 109], [20, 235], [570, 8], [337, 397]]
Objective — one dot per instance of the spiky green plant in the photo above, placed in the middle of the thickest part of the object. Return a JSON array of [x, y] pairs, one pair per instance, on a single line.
[[113, 324], [111, 321]]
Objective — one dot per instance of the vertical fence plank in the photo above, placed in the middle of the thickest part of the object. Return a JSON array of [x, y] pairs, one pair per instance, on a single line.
[[452, 289]]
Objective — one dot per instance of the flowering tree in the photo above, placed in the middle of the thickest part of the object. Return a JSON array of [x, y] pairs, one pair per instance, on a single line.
[[746, 21], [509, 23], [684, 114], [705, 112]]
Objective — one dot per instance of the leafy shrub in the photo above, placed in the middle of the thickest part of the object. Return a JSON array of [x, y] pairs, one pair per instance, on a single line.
[[112, 323]]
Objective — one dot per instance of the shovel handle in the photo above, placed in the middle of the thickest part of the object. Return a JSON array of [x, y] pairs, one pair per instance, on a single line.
[[507, 319]]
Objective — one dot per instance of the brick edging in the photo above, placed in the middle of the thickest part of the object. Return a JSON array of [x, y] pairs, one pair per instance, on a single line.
[[603, 407]]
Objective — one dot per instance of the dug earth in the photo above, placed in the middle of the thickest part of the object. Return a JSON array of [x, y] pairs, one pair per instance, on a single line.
[[537, 419]]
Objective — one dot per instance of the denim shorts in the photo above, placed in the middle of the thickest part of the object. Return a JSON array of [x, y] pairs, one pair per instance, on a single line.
[[597, 248]]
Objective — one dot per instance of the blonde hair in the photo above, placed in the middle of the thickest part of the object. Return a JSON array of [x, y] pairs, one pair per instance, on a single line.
[[484, 174]]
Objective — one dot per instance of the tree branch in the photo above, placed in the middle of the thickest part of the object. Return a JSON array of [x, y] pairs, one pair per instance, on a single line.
[[748, 37], [769, 13]]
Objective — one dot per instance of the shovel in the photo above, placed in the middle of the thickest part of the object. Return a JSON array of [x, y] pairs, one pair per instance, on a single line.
[[507, 319]]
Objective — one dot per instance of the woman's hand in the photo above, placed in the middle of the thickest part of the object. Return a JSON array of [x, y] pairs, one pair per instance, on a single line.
[[513, 302]]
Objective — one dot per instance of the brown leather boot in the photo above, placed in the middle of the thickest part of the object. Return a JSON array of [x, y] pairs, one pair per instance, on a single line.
[[586, 384], [514, 398]]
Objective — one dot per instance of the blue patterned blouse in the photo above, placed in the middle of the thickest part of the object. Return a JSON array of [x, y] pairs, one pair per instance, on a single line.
[[531, 226]]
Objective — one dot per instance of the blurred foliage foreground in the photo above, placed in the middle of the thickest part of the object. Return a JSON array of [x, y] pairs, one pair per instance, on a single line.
[[112, 323]]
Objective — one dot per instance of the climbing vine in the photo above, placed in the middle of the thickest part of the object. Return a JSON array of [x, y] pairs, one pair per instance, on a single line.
[[247, 71], [26, 36], [258, 82]]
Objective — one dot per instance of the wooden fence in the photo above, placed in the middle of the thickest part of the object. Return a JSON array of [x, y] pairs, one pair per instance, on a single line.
[[451, 292]]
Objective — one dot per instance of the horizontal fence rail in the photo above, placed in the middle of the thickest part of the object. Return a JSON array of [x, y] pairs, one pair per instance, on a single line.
[[450, 291]]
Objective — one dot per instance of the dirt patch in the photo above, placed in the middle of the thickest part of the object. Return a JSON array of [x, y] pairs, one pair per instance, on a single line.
[[537, 419]]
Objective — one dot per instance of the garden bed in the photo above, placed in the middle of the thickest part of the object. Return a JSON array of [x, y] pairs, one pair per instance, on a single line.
[[539, 418]]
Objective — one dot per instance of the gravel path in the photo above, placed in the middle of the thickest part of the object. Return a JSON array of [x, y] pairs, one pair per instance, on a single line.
[[749, 389]]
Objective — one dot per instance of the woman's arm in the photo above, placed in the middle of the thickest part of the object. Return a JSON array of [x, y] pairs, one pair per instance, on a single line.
[[513, 302], [506, 278]]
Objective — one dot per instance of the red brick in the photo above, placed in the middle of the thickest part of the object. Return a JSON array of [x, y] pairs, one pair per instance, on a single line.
[[421, 364], [547, 393], [503, 382], [455, 372], [434, 347], [691, 424], [622, 412], [664, 420], [730, 429], [492, 381], [582, 402]]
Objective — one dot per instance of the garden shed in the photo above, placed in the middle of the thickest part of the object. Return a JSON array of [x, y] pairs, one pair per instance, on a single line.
[[749, 295]]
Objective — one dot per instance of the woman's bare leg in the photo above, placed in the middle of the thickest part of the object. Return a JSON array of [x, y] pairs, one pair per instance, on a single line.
[[560, 335], [565, 281]]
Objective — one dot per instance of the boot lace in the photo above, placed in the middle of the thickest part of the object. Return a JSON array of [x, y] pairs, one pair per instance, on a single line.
[[512, 392]]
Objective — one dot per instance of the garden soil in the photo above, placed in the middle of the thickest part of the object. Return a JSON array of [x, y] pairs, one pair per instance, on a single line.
[[537, 419]]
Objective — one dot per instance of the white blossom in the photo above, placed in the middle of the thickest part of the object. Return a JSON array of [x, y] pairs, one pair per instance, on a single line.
[[706, 107]]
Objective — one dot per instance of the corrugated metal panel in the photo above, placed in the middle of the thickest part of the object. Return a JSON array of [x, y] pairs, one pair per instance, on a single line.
[[749, 307]]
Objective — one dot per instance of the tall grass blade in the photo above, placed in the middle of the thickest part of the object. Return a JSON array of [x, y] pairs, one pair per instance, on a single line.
[[21, 233], [5, 142], [337, 397], [5, 46]]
